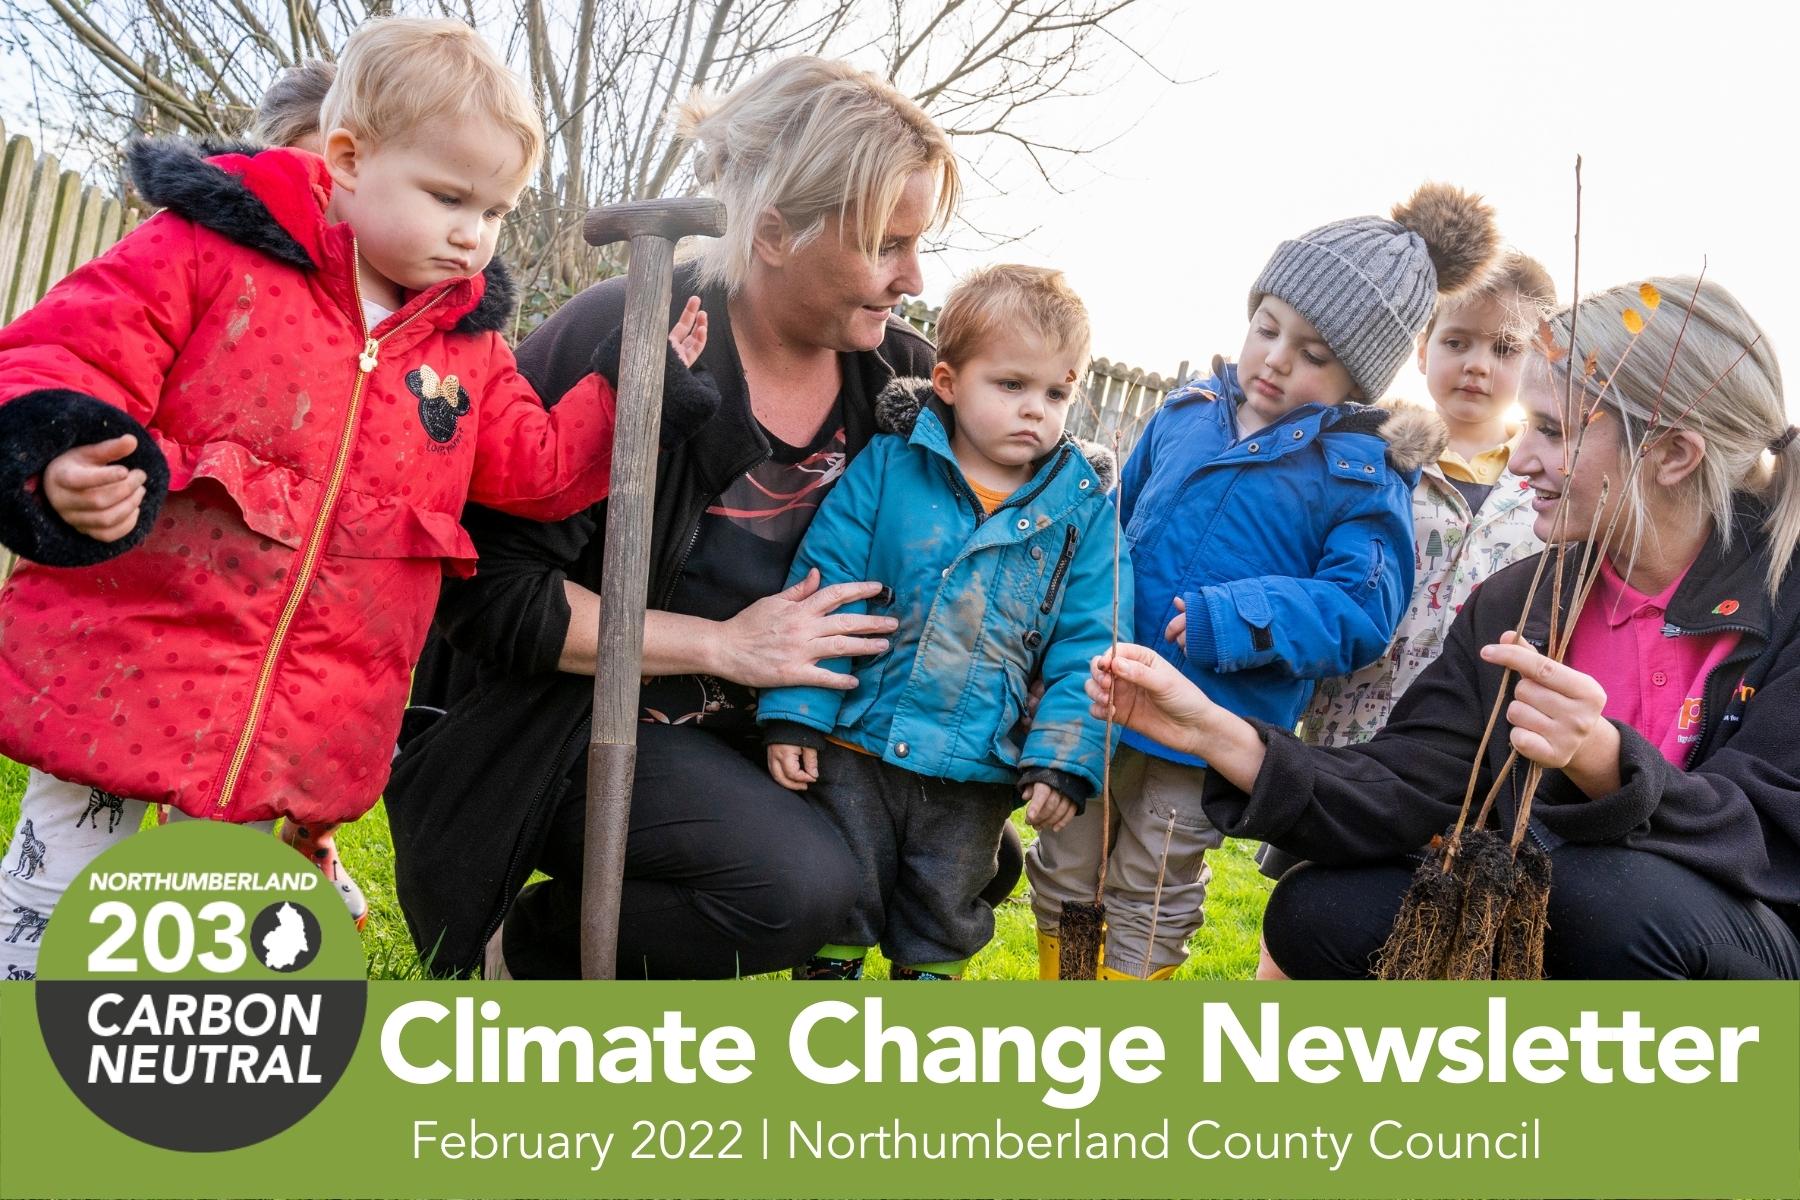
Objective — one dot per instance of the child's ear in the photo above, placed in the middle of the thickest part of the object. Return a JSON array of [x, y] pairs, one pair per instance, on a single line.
[[342, 154], [943, 379], [1424, 341]]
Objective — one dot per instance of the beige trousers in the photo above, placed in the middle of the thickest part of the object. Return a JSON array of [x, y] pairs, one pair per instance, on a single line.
[[1156, 873]]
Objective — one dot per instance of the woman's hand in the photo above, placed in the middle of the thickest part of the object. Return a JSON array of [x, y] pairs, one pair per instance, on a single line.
[[779, 640], [688, 337], [1149, 696], [1156, 700], [1556, 717]]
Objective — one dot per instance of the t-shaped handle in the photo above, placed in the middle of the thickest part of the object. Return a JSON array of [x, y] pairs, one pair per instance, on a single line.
[[670, 219]]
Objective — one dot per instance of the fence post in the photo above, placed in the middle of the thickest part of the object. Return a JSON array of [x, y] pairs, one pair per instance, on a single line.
[[49, 225], [15, 187]]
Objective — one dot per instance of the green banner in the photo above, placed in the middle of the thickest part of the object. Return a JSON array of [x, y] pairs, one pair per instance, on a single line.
[[528, 1089], [206, 1032]]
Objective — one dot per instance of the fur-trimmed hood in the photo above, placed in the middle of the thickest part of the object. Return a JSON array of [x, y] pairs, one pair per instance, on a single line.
[[1415, 436], [898, 407], [273, 201]]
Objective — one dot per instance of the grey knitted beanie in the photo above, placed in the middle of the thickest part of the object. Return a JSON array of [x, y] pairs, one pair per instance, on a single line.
[[1369, 285]]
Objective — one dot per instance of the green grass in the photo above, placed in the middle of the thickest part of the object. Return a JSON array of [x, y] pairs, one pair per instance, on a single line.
[[1224, 949]]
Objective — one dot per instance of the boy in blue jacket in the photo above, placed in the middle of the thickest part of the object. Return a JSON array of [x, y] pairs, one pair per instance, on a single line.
[[1269, 514], [994, 536]]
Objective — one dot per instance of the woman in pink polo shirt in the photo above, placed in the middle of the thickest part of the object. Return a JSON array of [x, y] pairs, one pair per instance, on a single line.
[[1671, 807]]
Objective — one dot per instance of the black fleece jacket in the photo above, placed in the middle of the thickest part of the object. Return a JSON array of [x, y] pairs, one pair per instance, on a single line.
[[1733, 814], [469, 798]]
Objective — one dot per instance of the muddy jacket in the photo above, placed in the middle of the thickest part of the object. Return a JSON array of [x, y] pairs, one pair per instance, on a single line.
[[246, 652], [472, 794], [1732, 813], [1291, 546], [986, 603]]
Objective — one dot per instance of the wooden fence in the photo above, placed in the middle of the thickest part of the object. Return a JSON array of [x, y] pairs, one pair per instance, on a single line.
[[50, 223], [1113, 396]]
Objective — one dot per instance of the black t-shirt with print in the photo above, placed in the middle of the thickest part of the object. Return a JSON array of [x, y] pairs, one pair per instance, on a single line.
[[742, 551]]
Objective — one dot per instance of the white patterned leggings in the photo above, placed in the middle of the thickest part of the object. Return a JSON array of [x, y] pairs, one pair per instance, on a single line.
[[62, 828]]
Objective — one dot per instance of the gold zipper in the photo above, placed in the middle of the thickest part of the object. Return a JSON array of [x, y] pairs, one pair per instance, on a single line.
[[309, 554]]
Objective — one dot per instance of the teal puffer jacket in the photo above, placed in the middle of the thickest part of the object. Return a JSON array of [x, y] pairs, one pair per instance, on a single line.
[[986, 603]]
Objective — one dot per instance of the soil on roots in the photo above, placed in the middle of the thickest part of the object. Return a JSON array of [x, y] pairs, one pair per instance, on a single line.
[[1522, 927], [1486, 869], [1425, 927], [1082, 930]]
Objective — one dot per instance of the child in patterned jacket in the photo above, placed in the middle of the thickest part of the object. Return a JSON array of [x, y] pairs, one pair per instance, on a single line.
[[1471, 514]]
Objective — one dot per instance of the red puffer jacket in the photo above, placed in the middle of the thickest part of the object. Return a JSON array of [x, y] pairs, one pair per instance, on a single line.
[[250, 655]]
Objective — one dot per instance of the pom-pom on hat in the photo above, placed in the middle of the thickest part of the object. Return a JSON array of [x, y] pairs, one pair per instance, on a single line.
[[1369, 285]]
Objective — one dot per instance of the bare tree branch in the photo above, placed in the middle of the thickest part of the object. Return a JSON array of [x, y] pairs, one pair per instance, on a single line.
[[608, 75]]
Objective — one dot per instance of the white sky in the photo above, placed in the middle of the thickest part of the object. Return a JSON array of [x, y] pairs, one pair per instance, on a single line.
[[1306, 112], [1311, 112]]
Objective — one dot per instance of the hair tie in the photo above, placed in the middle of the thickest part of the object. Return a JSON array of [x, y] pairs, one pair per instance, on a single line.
[[1783, 441]]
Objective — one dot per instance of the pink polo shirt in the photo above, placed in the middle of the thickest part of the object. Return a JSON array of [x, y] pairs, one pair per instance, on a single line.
[[1653, 683]]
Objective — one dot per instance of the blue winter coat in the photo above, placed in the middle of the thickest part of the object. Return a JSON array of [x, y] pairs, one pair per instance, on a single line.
[[1291, 546], [985, 603]]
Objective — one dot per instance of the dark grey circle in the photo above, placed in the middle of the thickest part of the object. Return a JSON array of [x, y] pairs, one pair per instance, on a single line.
[[299, 924], [180, 1086]]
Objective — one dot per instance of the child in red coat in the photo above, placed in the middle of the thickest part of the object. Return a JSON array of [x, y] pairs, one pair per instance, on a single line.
[[277, 394]]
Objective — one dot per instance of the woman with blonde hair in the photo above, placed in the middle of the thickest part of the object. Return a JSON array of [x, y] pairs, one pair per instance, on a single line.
[[831, 177], [1670, 803]]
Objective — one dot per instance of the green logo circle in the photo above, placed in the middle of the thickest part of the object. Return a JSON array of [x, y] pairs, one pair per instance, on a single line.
[[201, 986]]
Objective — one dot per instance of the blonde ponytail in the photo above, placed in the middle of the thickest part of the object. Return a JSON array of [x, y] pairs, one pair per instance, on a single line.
[[1782, 496]]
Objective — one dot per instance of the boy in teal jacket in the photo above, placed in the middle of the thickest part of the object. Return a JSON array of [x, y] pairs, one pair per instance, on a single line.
[[994, 536]]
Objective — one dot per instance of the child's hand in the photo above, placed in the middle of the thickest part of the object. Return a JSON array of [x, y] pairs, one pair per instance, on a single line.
[[688, 338], [1176, 630], [93, 492], [793, 767], [1047, 809]]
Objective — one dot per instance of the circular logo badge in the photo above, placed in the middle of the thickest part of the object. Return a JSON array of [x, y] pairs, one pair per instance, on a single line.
[[201, 987], [285, 936]]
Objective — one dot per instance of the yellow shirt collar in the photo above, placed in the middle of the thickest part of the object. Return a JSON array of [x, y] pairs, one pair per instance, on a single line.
[[1485, 468]]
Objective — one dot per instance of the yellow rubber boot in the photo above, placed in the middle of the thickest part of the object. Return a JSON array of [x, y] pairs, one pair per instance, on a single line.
[[1049, 956], [1164, 973]]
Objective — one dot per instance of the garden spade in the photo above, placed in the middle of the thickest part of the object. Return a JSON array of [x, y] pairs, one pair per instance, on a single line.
[[652, 227]]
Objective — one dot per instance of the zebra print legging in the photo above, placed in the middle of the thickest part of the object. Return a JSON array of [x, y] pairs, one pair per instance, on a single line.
[[62, 828]]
